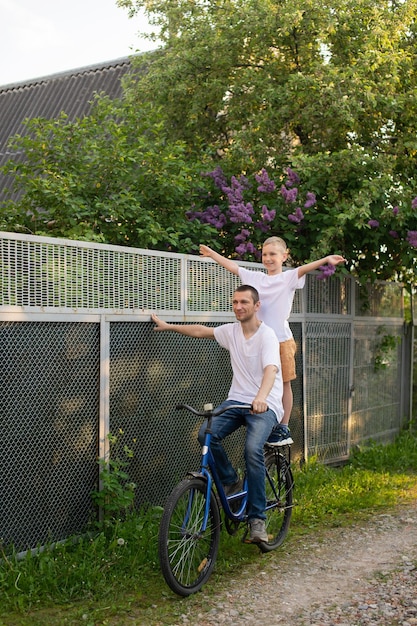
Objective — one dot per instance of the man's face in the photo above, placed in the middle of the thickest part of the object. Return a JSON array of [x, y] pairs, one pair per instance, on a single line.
[[244, 307]]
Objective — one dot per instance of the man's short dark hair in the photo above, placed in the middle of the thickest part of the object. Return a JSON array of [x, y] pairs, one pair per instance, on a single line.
[[254, 292]]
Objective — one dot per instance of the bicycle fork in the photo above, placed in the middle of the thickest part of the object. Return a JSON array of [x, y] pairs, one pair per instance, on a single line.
[[205, 474]]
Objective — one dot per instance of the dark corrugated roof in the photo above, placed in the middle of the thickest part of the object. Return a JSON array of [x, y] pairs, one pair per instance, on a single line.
[[48, 96]]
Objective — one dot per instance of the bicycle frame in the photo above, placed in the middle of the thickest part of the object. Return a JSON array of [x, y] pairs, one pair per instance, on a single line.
[[209, 472]]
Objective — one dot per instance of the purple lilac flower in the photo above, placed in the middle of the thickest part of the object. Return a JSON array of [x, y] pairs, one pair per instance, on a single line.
[[326, 271], [240, 213], [311, 200], [245, 248], [393, 234], [215, 217], [268, 215], [297, 216], [218, 177], [235, 191], [412, 238], [244, 182], [242, 236], [395, 211], [265, 184], [293, 178], [264, 227], [289, 195], [212, 215], [373, 223], [193, 215], [414, 203]]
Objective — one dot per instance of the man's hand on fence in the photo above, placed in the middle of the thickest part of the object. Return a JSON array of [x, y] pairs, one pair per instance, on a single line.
[[160, 324]]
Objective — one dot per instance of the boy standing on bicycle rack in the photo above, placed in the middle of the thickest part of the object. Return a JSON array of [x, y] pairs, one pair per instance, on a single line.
[[257, 380], [276, 289]]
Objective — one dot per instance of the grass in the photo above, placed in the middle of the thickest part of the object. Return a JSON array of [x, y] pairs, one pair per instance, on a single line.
[[104, 578]]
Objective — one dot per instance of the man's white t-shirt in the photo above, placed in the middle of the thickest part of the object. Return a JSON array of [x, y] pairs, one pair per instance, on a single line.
[[276, 294], [249, 357]]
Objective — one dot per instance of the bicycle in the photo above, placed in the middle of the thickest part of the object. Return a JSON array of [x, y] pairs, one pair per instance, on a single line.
[[189, 532]]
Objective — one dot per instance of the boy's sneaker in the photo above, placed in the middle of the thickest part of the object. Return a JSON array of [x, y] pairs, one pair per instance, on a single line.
[[257, 530], [280, 436]]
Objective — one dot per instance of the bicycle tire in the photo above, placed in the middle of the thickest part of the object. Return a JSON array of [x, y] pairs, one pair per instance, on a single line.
[[187, 556], [279, 486]]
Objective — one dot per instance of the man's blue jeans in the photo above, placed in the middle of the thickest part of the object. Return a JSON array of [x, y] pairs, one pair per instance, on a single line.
[[258, 429]]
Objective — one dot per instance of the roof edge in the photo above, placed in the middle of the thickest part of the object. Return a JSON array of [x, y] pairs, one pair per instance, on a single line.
[[79, 70]]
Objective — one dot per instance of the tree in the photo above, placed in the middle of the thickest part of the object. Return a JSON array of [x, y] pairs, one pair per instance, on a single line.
[[111, 176], [328, 90], [263, 80]]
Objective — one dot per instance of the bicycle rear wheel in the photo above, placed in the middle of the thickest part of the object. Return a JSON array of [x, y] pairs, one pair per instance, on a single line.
[[279, 496], [186, 553]]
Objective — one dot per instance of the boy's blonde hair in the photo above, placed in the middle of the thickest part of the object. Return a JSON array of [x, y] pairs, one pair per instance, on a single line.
[[277, 241]]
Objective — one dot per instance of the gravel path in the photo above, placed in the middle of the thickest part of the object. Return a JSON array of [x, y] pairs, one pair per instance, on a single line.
[[364, 575]]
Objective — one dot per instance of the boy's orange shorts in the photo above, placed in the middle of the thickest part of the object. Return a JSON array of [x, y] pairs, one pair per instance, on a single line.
[[287, 350]]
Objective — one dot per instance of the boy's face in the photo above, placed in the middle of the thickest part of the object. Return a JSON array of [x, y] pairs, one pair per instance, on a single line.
[[273, 256]]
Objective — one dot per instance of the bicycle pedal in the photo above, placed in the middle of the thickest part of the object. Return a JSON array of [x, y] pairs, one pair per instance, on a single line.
[[250, 542]]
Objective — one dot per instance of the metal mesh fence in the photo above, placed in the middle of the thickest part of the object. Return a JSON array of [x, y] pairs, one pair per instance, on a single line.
[[150, 374], [329, 297], [376, 405], [83, 276], [73, 315], [49, 377], [379, 300], [209, 287], [327, 355]]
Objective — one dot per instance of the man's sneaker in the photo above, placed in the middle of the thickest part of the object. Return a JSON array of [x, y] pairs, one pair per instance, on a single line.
[[280, 436], [257, 530]]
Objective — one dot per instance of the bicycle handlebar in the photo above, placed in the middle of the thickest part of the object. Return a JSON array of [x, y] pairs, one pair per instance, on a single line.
[[212, 412]]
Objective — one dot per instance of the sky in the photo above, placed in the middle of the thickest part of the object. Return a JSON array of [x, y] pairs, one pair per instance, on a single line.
[[42, 37]]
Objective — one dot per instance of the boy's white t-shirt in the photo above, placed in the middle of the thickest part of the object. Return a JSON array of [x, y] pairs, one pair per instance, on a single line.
[[249, 357], [276, 294]]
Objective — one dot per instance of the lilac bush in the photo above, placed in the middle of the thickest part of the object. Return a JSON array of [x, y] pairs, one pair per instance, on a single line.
[[378, 241], [391, 242], [247, 210]]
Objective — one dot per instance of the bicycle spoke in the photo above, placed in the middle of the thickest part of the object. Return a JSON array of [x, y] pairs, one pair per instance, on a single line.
[[279, 491], [187, 552]]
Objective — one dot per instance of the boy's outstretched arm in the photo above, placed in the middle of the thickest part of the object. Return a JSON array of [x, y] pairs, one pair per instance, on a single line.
[[332, 259], [228, 264], [190, 330]]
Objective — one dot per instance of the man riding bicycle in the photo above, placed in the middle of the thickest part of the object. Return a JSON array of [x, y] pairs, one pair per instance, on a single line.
[[257, 380]]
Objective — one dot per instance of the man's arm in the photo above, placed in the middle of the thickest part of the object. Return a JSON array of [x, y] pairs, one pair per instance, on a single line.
[[259, 403], [332, 259], [228, 264], [190, 330]]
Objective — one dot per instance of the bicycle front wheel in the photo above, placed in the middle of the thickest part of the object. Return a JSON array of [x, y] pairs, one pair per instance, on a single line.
[[279, 497], [187, 553]]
